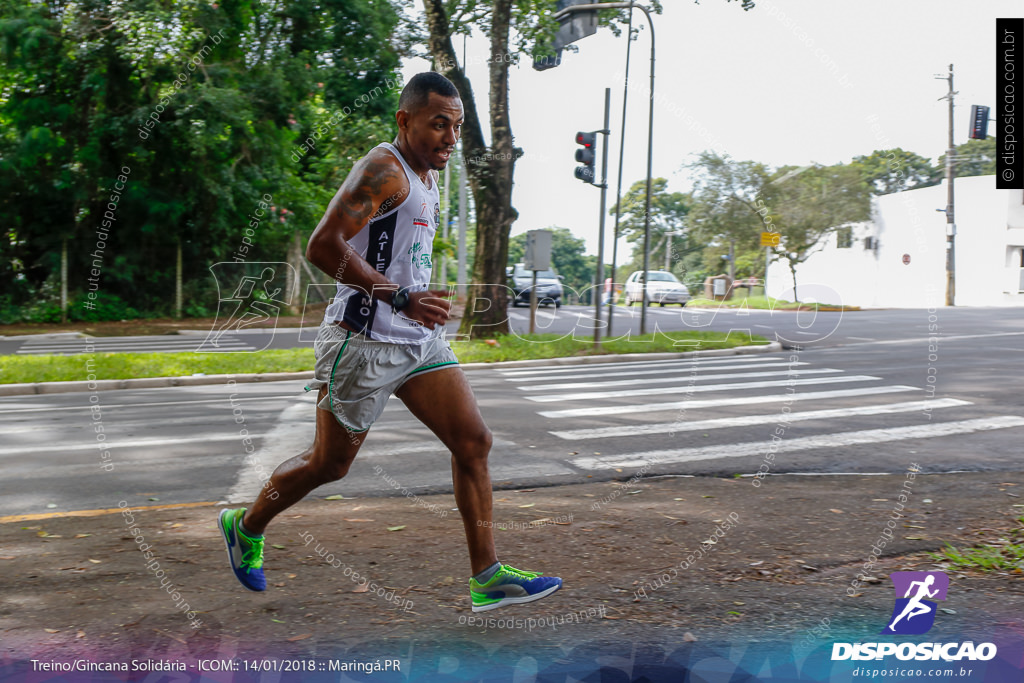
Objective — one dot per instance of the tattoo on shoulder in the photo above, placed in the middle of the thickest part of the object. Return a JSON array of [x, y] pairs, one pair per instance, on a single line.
[[364, 199]]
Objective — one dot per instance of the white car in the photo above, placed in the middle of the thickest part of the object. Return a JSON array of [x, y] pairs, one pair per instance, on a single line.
[[663, 288]]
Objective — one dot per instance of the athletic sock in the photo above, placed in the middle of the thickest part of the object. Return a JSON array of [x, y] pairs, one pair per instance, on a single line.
[[253, 536], [485, 575]]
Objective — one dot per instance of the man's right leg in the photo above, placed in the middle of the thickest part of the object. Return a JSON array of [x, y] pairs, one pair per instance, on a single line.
[[328, 459]]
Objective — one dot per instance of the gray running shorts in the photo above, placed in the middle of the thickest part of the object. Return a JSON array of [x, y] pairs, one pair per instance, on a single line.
[[361, 374]]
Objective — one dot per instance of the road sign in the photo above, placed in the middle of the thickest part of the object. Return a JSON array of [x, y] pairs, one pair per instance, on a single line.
[[770, 239]]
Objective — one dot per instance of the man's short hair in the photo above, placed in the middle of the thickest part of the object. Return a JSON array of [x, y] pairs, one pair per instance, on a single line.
[[417, 91]]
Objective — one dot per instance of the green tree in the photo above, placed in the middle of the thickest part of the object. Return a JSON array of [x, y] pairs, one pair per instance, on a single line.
[[974, 157], [208, 106], [813, 203], [671, 246], [896, 170], [728, 211]]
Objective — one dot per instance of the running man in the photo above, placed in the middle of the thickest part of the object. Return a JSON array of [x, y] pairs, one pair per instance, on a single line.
[[384, 333], [914, 606]]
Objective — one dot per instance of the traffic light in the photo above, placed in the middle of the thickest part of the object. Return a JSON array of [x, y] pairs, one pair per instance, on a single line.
[[979, 122], [586, 156]]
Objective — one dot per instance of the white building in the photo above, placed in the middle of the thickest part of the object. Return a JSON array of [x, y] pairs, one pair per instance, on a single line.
[[898, 259]]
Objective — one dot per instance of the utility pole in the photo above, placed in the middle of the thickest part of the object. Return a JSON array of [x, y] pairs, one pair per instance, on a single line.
[[950, 217], [599, 290]]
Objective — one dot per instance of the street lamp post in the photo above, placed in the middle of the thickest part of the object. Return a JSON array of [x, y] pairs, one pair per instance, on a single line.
[[650, 137]]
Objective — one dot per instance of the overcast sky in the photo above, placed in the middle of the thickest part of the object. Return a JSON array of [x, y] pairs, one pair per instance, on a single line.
[[789, 82]]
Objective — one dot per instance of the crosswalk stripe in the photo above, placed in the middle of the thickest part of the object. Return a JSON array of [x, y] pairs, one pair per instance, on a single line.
[[516, 373], [749, 420], [680, 369], [112, 444], [655, 380], [584, 396], [748, 448], [716, 402]]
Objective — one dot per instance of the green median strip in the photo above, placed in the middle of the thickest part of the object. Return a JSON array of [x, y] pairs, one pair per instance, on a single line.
[[81, 367], [767, 303]]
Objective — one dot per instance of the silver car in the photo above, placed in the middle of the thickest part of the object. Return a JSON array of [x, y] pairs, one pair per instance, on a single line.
[[663, 288]]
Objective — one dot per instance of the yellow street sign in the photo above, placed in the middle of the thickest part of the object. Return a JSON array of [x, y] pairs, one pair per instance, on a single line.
[[770, 239]]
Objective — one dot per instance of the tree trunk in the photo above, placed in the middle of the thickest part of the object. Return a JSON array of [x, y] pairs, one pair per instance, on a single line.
[[293, 291], [792, 270], [177, 284], [490, 170]]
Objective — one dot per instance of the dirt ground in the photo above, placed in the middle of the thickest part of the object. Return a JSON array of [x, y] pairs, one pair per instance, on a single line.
[[79, 585]]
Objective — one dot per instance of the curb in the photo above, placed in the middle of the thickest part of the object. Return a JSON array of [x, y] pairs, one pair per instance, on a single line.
[[35, 388]]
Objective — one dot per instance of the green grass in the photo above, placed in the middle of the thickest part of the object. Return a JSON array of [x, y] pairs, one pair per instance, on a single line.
[[766, 303], [23, 369], [1007, 556]]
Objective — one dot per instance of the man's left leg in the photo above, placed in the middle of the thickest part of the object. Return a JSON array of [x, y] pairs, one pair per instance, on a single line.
[[444, 402]]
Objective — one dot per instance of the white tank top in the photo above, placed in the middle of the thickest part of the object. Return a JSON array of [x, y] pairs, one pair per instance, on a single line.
[[398, 245]]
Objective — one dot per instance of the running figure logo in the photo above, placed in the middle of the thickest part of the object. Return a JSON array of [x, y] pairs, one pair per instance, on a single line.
[[257, 296], [914, 612]]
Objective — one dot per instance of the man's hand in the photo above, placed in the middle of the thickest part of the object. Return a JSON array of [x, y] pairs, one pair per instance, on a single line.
[[429, 308]]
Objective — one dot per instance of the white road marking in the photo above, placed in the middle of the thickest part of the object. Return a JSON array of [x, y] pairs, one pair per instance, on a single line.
[[290, 436], [669, 364], [585, 396], [749, 420], [109, 406], [940, 339], [662, 380], [117, 444], [681, 369], [753, 448], [715, 402]]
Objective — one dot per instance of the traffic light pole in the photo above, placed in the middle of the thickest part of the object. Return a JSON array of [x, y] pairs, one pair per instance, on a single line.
[[650, 131], [599, 290]]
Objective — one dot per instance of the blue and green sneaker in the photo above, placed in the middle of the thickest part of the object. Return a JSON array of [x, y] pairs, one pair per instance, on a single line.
[[245, 554], [510, 586]]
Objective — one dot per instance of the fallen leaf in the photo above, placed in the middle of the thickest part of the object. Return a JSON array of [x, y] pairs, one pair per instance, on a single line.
[[689, 637], [154, 499], [95, 561], [81, 634], [362, 588], [7, 557], [291, 576], [279, 547], [528, 505], [914, 538], [737, 602], [608, 616], [302, 637], [948, 610], [838, 512], [277, 621], [82, 535], [356, 519], [52, 630], [856, 595], [396, 528], [336, 496]]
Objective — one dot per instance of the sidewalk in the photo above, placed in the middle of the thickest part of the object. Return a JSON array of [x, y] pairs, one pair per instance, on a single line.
[[393, 571]]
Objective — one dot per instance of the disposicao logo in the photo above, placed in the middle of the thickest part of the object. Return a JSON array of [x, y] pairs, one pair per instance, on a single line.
[[914, 614]]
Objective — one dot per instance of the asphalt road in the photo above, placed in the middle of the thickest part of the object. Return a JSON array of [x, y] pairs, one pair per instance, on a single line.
[[807, 330], [860, 401]]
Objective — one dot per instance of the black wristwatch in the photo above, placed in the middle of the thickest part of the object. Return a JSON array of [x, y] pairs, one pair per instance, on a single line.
[[400, 299]]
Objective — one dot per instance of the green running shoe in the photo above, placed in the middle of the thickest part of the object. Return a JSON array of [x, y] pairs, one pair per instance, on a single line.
[[245, 554], [510, 586]]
